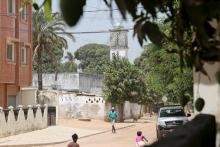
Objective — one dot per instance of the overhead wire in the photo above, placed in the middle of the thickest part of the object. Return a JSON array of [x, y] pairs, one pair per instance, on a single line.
[[80, 32], [96, 32], [86, 11]]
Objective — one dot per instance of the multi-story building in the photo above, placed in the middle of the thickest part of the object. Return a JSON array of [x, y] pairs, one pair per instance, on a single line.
[[15, 50]]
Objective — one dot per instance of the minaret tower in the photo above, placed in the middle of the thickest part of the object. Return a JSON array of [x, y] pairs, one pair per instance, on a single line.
[[119, 42]]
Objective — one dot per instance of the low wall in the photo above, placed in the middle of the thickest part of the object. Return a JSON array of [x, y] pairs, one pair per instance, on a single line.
[[131, 110], [21, 120], [81, 106], [91, 106]]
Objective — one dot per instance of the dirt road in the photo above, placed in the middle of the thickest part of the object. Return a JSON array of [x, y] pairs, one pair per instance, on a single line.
[[123, 137]]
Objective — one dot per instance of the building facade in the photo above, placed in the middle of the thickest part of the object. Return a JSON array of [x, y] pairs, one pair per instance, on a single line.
[[15, 50]]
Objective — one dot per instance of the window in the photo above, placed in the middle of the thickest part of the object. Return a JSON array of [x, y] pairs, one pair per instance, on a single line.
[[23, 55], [11, 7], [12, 100], [24, 13], [10, 52], [172, 113]]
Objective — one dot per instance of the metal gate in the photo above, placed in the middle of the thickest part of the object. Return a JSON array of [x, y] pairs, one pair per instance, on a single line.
[[51, 121]]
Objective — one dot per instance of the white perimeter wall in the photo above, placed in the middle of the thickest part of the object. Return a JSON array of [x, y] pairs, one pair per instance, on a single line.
[[84, 106], [12, 125], [81, 106]]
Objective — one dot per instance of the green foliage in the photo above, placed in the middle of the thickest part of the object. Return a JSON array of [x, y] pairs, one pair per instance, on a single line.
[[93, 57], [50, 63], [163, 74], [48, 9], [70, 57], [123, 82], [49, 34], [68, 67]]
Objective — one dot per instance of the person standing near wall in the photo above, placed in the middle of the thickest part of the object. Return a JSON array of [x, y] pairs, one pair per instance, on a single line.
[[113, 115]]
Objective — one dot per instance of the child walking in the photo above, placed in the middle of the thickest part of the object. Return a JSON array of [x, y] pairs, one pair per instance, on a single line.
[[113, 115], [74, 142], [140, 139]]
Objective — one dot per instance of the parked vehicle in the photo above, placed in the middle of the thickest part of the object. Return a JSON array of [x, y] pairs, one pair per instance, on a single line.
[[169, 118]]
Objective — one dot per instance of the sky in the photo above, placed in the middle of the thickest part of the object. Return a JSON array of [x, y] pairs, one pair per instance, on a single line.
[[94, 21]]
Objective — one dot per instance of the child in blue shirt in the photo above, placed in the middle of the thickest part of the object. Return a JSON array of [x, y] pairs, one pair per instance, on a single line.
[[113, 115]]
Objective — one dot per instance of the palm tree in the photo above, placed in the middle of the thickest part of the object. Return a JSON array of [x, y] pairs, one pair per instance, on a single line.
[[70, 65], [70, 57], [47, 35]]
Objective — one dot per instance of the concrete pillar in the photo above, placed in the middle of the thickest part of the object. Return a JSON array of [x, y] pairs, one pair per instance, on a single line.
[[11, 125], [30, 119], [38, 118], [3, 125], [45, 115], [21, 125]]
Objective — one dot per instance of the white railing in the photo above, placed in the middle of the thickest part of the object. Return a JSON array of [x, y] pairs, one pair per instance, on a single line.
[[20, 120]]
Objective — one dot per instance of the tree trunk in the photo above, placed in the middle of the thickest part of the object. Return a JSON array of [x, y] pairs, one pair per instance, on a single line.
[[140, 111], [39, 70], [121, 112], [56, 73]]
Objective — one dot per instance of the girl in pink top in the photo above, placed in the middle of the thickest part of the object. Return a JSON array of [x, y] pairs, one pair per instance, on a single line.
[[140, 140]]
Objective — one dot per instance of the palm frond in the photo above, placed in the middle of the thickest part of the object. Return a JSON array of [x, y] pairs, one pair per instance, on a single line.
[[49, 34]]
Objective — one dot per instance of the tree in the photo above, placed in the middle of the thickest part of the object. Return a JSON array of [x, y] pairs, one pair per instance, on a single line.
[[70, 65], [164, 75], [47, 35], [70, 57], [47, 59], [47, 67], [93, 57], [123, 82]]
